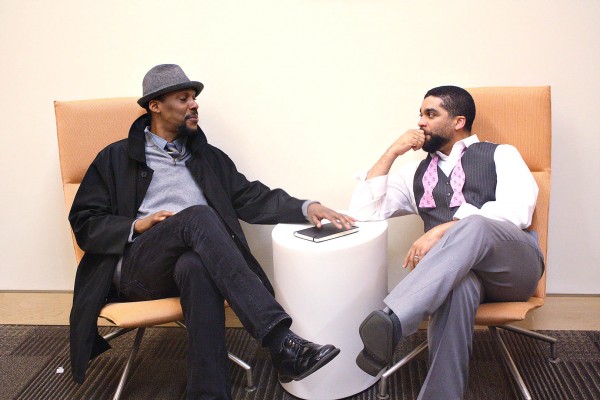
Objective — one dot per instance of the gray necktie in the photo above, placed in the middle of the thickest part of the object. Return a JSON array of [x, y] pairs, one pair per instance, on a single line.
[[172, 150]]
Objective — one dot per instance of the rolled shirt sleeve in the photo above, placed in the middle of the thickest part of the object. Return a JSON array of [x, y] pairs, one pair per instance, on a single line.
[[384, 196]]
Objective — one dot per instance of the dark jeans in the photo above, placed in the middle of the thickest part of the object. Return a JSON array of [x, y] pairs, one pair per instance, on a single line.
[[191, 255]]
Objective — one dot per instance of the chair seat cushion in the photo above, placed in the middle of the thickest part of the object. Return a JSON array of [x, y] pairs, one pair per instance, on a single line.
[[494, 314], [143, 313], [138, 314]]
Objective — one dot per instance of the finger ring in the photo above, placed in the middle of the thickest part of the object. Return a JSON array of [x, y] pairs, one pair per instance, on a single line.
[[417, 257]]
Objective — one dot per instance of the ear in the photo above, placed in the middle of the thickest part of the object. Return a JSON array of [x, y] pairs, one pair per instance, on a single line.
[[459, 122], [153, 106]]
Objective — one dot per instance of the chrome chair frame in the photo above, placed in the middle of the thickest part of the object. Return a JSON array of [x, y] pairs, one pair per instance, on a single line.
[[383, 387], [250, 386]]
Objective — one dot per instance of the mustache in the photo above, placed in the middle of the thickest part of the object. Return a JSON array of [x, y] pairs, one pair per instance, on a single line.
[[192, 115]]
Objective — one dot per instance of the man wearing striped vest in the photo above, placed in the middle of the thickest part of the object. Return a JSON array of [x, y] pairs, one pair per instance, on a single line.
[[476, 200]]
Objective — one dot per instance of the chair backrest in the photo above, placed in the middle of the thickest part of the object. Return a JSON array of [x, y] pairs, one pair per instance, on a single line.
[[521, 116], [84, 128]]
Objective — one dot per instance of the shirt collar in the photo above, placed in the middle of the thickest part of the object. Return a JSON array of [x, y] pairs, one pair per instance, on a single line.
[[458, 147], [152, 138]]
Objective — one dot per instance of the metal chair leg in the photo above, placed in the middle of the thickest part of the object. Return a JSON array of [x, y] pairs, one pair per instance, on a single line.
[[126, 370], [116, 333], [383, 383], [250, 387], [512, 367], [548, 339]]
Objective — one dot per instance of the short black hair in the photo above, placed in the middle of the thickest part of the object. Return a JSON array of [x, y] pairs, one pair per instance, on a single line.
[[457, 101]]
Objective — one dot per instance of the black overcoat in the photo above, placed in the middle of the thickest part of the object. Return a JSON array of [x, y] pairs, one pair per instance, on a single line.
[[106, 205]]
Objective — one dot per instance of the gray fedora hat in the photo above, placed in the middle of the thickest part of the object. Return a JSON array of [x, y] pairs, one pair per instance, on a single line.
[[165, 78]]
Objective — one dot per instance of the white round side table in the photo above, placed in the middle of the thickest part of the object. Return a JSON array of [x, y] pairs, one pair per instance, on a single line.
[[329, 288]]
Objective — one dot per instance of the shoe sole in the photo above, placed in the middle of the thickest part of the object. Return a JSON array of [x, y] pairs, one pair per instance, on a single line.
[[377, 335], [321, 363]]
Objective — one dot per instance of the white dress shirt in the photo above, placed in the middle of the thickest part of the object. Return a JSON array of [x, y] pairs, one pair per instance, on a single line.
[[392, 195]]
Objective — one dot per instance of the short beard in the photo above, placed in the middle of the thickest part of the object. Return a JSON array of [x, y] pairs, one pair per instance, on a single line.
[[435, 143], [184, 131]]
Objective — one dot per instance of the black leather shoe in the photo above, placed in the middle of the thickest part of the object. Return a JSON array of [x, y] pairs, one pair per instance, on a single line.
[[298, 358], [377, 334]]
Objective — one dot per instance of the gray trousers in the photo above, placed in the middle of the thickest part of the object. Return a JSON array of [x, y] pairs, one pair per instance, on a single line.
[[478, 259]]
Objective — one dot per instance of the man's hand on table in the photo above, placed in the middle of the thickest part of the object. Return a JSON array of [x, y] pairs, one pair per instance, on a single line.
[[317, 212]]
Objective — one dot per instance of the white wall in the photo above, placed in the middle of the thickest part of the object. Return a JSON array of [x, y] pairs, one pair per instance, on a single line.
[[301, 94]]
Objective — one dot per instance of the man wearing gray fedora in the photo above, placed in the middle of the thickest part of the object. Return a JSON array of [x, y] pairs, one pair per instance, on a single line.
[[158, 216]]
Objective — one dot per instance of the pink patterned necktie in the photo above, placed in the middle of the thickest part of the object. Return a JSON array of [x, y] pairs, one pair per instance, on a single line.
[[457, 181], [430, 179]]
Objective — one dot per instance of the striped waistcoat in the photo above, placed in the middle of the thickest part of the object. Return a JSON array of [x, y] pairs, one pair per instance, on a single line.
[[479, 188]]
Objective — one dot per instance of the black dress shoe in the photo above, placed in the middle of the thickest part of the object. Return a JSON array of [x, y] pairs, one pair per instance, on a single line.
[[377, 334], [298, 358]]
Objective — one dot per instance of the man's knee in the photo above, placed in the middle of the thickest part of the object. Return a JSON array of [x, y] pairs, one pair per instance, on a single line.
[[475, 222], [199, 211], [488, 231], [476, 226], [201, 216]]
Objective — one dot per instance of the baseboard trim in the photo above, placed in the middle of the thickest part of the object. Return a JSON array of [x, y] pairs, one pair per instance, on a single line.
[[560, 312], [53, 308]]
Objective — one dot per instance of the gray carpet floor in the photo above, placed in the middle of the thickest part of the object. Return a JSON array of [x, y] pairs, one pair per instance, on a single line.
[[30, 357]]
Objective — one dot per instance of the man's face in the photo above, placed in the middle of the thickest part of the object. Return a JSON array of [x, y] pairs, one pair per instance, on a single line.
[[179, 112], [437, 124]]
